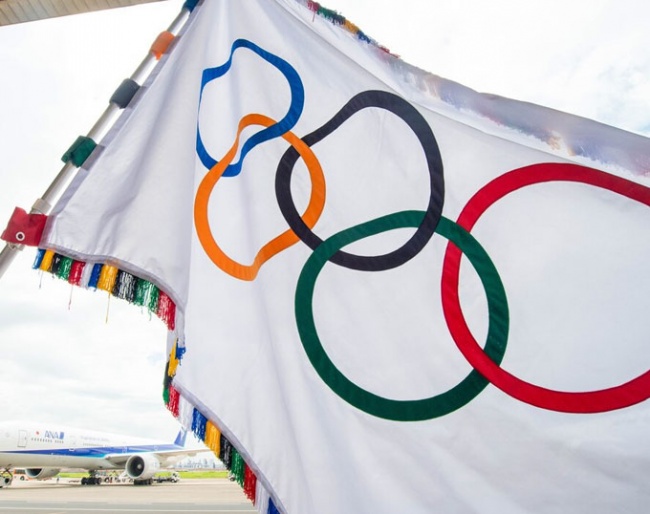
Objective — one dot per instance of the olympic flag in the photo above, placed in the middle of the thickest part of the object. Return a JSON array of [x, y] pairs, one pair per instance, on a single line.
[[385, 291]]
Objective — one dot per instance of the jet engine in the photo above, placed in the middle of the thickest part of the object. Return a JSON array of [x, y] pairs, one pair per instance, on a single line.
[[142, 467], [42, 473]]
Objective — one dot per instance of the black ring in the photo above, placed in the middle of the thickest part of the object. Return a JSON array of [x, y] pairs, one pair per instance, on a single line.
[[423, 132]]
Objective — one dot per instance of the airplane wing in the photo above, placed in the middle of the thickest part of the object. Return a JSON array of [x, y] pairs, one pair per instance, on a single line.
[[155, 455], [120, 459], [20, 11]]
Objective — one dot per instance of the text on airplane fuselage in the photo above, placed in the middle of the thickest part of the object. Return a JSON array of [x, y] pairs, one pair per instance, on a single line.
[[49, 434]]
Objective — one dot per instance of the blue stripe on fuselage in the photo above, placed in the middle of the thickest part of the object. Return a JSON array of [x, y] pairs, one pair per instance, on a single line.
[[99, 451]]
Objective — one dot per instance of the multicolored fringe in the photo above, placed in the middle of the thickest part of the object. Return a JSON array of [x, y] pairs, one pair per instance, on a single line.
[[175, 356], [117, 282], [338, 19], [234, 462], [211, 435], [208, 432]]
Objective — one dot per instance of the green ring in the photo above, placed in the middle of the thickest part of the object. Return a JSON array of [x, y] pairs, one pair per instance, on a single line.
[[402, 410]]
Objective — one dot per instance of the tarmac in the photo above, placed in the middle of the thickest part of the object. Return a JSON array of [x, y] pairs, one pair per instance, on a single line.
[[67, 496]]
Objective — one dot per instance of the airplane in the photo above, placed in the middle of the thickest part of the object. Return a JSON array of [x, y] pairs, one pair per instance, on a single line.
[[43, 449]]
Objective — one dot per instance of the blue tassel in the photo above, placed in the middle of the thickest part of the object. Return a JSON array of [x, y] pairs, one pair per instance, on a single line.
[[94, 276], [199, 422], [363, 37], [272, 508], [39, 258]]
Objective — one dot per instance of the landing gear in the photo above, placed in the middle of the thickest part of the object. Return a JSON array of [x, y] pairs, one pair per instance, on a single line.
[[148, 481], [93, 479], [6, 477]]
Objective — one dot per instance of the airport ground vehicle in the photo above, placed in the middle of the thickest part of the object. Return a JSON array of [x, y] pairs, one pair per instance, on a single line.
[[173, 477]]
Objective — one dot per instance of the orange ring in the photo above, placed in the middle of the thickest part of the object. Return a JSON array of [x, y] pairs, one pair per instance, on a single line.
[[275, 245]]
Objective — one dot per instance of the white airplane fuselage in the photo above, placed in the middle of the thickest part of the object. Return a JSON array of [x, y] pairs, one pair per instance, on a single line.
[[43, 449]]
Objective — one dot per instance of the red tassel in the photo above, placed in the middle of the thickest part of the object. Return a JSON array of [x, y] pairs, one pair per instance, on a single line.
[[76, 272], [174, 401], [250, 484], [166, 310], [24, 229]]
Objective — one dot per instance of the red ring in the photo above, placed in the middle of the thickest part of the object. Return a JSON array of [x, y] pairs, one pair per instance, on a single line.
[[617, 397]]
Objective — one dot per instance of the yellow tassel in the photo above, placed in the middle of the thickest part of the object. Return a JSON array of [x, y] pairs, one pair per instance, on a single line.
[[107, 278], [173, 361], [213, 437], [351, 26], [46, 263]]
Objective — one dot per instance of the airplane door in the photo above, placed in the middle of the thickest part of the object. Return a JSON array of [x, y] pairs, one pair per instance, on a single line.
[[22, 438]]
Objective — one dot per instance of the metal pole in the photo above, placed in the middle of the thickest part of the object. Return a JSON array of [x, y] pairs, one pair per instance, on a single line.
[[7, 256], [43, 205]]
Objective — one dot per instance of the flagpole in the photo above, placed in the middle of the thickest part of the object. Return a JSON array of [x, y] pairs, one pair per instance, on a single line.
[[120, 99]]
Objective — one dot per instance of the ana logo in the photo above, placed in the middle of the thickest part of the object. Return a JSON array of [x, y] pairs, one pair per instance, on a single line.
[[53, 435]]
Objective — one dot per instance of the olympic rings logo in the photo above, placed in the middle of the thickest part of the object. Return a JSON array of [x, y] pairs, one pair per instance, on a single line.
[[485, 359]]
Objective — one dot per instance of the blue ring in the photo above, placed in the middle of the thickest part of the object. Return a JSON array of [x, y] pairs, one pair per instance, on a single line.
[[273, 131]]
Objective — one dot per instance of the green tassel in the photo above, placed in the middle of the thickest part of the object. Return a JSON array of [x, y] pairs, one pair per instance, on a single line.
[[331, 15], [238, 470], [167, 380], [138, 297], [64, 267], [152, 301], [144, 291]]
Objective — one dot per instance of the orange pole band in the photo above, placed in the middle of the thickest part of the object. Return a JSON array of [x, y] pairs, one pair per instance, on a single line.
[[161, 44]]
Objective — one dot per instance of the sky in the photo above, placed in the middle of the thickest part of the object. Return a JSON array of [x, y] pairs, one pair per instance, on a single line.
[[76, 357]]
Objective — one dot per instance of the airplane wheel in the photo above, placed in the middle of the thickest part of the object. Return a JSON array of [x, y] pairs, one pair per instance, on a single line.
[[84, 481]]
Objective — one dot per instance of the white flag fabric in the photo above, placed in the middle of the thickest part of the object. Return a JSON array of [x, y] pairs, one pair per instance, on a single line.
[[391, 293]]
